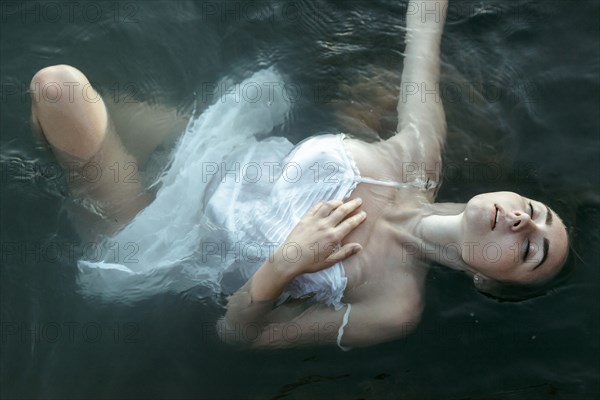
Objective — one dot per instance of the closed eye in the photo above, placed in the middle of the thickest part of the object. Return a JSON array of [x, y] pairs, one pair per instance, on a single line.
[[527, 250], [528, 241], [531, 208]]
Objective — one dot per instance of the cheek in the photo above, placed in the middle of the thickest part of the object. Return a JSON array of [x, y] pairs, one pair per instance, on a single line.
[[495, 257], [476, 220]]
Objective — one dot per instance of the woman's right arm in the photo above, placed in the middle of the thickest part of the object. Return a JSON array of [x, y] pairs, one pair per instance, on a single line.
[[252, 321], [316, 236], [380, 318]]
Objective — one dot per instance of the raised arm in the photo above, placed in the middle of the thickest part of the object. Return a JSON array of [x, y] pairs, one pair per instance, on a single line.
[[421, 130]]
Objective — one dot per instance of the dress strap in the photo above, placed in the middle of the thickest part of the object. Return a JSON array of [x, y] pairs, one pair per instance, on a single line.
[[341, 330], [418, 183], [380, 183]]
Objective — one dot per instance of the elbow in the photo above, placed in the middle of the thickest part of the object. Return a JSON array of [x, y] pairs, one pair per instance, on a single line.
[[248, 337], [229, 332], [408, 326], [242, 336], [406, 320]]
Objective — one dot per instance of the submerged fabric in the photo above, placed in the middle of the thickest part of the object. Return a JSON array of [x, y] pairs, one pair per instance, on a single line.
[[225, 203]]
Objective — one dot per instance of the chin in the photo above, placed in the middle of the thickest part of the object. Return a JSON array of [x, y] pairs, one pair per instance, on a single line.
[[497, 197], [476, 207]]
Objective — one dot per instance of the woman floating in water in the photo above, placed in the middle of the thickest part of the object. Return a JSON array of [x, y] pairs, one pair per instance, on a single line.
[[341, 245]]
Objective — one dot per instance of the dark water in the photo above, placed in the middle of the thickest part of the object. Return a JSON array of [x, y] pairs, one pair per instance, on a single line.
[[521, 88]]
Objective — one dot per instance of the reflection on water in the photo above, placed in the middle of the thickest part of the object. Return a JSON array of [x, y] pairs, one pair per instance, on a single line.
[[519, 83]]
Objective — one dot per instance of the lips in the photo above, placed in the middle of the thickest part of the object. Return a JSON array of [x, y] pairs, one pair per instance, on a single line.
[[498, 215], [495, 216]]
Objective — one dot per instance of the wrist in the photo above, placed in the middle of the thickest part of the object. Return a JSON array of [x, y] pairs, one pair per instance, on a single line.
[[284, 269]]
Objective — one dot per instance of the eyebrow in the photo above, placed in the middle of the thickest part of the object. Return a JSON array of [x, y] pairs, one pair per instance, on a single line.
[[548, 216], [546, 241], [546, 248]]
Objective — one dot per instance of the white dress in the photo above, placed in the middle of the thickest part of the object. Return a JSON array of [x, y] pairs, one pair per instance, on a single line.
[[225, 202]]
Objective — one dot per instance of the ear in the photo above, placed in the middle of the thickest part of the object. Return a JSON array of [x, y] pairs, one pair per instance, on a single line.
[[482, 282]]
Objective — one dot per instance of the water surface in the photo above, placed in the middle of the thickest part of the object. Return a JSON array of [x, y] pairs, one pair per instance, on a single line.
[[521, 84]]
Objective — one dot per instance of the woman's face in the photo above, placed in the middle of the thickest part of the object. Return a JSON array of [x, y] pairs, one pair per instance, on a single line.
[[509, 237]]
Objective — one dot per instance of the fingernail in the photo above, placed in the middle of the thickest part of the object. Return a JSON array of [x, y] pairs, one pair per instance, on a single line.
[[363, 213], [358, 200]]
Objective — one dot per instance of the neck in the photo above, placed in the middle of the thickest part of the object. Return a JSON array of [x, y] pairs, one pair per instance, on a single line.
[[434, 233]]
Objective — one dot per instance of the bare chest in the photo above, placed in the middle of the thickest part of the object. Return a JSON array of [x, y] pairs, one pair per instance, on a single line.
[[383, 262]]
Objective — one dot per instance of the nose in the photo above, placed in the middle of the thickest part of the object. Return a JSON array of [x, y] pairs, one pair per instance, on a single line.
[[519, 221]]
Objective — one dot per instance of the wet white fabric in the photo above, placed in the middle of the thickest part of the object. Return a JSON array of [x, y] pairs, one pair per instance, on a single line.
[[225, 202], [319, 168]]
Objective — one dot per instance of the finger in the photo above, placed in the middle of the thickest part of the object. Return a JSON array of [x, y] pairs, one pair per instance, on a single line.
[[343, 252], [326, 208], [349, 224], [315, 208], [342, 211]]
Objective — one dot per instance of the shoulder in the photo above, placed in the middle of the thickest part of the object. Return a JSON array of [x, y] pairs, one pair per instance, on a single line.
[[403, 157], [377, 160]]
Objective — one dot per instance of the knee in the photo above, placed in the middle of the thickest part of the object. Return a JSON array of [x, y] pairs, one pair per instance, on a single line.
[[55, 83]]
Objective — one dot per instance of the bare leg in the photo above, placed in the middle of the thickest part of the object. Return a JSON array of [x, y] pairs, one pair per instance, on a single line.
[[144, 126], [102, 176]]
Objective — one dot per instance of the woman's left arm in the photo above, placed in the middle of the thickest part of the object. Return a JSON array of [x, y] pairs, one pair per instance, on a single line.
[[316, 237], [421, 130]]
